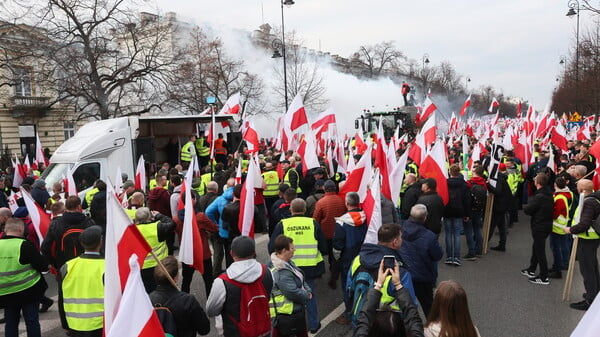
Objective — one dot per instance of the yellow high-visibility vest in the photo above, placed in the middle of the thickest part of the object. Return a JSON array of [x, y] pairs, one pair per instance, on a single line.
[[14, 276], [302, 230], [83, 294], [150, 233]]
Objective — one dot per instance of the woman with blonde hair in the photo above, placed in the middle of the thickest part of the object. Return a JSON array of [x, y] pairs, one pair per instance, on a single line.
[[449, 315]]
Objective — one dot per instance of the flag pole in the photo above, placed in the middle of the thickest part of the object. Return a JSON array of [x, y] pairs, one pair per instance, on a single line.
[[570, 271], [487, 220], [164, 270]]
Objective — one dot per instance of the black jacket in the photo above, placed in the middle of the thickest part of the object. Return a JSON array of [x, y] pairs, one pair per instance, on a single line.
[[502, 194], [411, 195], [540, 207], [435, 210], [58, 226], [589, 213], [231, 216], [98, 209], [459, 202], [412, 321], [189, 316], [420, 248]]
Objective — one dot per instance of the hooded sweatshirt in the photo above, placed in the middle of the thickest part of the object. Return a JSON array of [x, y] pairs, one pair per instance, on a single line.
[[215, 209], [349, 234]]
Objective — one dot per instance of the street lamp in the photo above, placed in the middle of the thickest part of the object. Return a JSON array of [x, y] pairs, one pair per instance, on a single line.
[[276, 54], [425, 59], [574, 9], [467, 80]]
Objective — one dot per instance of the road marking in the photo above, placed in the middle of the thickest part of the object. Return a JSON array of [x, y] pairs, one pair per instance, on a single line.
[[330, 318]]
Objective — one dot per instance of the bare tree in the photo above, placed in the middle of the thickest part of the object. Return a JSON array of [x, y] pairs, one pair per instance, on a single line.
[[107, 63], [380, 58]]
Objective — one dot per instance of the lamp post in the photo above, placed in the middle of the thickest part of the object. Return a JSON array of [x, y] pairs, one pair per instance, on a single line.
[[467, 80], [276, 53], [425, 60], [574, 9]]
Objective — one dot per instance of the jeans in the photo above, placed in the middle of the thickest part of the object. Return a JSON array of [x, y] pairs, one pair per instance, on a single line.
[[473, 232], [311, 307], [12, 314], [218, 253], [345, 294], [560, 251], [453, 227]]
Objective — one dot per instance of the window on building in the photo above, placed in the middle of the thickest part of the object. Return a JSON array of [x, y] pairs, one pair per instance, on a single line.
[[69, 130], [22, 81]]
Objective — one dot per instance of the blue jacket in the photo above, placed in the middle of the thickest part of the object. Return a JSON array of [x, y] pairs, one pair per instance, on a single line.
[[349, 234], [371, 256], [421, 251], [215, 210]]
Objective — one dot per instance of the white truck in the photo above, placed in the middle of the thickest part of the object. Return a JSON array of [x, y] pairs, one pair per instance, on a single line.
[[99, 148]]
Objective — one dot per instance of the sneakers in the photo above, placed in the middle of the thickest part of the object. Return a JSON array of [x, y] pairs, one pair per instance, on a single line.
[[449, 261], [526, 272], [539, 280], [469, 257], [46, 304], [314, 331], [583, 305], [456, 261]]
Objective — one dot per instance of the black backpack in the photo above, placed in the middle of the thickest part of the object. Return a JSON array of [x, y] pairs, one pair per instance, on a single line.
[[69, 246], [478, 197]]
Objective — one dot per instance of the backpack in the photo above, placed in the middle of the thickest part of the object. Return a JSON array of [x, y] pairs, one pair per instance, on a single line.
[[70, 247], [255, 319], [357, 290], [165, 316], [478, 197]]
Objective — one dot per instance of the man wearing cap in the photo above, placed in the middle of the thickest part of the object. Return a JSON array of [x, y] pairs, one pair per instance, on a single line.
[[291, 177], [81, 289], [21, 284], [128, 189], [310, 246], [224, 296]]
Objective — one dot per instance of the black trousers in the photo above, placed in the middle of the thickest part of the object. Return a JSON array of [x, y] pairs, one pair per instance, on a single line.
[[498, 220], [148, 279], [588, 265], [538, 254], [424, 293], [187, 273]]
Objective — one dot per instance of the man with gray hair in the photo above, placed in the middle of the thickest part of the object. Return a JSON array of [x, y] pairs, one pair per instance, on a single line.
[[421, 251], [156, 229], [310, 246], [350, 231]]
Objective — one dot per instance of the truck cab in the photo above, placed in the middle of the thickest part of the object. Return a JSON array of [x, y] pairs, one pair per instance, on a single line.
[[403, 117]]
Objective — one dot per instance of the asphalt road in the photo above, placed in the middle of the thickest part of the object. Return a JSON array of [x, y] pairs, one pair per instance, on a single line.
[[502, 302]]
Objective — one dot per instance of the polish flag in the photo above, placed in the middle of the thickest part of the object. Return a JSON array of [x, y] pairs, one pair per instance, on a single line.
[[191, 249], [359, 144], [453, 124], [20, 174], [595, 149], [39, 218], [69, 184], [397, 177], [122, 240], [136, 315], [295, 117], [309, 153], [26, 164], [584, 132], [39, 153], [519, 107], [467, 104], [475, 156], [372, 208], [359, 178], [278, 168], [381, 161], [429, 109], [253, 181], [323, 120], [493, 105], [429, 130], [559, 137], [434, 166], [250, 135], [118, 184], [231, 106], [140, 175]]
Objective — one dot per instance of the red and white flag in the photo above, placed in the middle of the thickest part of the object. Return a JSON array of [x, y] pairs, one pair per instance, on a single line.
[[140, 175], [467, 104], [136, 315], [429, 131], [428, 110], [191, 249], [39, 218], [381, 161], [70, 187], [250, 135], [559, 137], [253, 181], [231, 106], [39, 152], [493, 105], [19, 171], [122, 239], [372, 208], [26, 164], [295, 117], [359, 178], [323, 121], [238, 173], [397, 177], [434, 166]]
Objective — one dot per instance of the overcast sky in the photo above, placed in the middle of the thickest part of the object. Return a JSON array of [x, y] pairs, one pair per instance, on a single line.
[[514, 45]]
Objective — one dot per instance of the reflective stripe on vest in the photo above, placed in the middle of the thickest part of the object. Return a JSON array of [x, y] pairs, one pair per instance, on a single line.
[[203, 151], [387, 300], [150, 233], [272, 184], [591, 233], [561, 222], [219, 148], [302, 230], [278, 300], [186, 154], [286, 180], [14, 276], [83, 293]]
